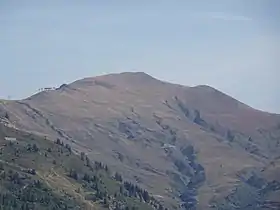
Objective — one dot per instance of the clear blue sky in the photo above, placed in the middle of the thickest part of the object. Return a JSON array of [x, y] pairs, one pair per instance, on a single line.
[[232, 45]]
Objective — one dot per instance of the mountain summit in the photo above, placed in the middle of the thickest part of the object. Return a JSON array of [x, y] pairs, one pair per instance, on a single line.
[[192, 147]]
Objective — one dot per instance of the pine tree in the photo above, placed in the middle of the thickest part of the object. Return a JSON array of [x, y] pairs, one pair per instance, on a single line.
[[35, 148], [82, 156], [118, 177], [86, 177], [7, 116], [67, 146], [73, 174], [146, 196], [58, 141], [88, 163]]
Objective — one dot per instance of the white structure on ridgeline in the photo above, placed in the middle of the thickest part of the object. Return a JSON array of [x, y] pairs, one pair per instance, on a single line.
[[46, 89], [10, 138]]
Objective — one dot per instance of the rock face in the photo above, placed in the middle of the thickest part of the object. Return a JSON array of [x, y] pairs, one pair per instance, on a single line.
[[187, 145]]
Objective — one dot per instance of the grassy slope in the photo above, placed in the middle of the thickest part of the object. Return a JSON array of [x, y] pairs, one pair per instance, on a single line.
[[51, 187], [110, 108]]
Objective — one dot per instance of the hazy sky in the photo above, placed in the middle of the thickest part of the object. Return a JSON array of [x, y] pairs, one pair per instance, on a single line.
[[232, 45]]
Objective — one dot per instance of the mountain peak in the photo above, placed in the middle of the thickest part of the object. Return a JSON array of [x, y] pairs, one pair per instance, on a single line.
[[137, 75], [127, 78]]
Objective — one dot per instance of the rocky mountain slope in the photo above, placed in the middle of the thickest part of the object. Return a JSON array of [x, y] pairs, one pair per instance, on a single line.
[[192, 147]]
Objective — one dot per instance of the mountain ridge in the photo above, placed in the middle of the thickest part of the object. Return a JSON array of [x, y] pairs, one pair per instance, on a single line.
[[142, 75]]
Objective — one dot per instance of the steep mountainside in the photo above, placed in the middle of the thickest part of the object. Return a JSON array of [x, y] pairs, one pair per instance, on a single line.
[[37, 174], [193, 147]]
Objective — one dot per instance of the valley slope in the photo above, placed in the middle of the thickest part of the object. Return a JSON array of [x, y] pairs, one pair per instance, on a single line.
[[193, 147]]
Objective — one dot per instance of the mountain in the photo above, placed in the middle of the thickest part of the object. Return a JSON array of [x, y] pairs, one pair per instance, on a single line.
[[191, 147]]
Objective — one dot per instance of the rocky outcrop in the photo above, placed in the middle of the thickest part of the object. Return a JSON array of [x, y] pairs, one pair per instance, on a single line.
[[251, 194]]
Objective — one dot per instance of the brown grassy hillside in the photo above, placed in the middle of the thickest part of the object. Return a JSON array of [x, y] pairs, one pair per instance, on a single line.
[[187, 145]]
